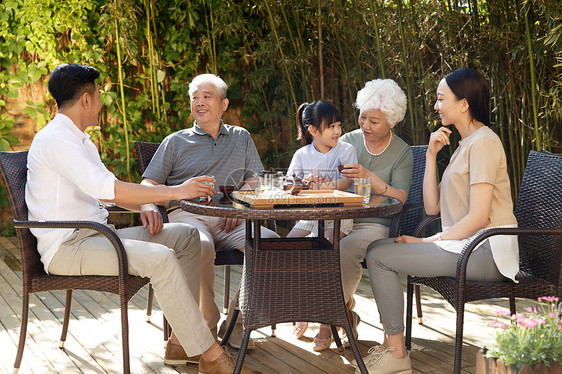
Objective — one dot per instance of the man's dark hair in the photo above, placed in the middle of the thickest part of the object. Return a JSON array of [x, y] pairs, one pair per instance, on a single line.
[[69, 81]]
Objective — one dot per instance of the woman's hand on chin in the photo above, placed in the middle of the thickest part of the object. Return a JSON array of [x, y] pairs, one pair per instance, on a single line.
[[438, 140]]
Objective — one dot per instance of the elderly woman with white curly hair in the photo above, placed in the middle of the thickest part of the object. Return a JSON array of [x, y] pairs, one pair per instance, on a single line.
[[388, 161]]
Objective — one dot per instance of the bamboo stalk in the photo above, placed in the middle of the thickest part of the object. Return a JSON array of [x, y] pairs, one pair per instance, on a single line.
[[284, 63], [211, 38], [152, 71], [297, 42], [378, 40], [320, 57], [162, 111], [533, 81], [123, 106], [407, 74]]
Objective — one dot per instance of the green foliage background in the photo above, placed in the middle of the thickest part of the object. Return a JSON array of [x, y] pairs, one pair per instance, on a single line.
[[276, 54]]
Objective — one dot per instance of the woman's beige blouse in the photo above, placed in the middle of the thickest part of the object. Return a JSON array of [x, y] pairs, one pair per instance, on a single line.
[[480, 158]]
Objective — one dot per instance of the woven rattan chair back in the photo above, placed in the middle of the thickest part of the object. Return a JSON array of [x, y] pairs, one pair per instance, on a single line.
[[539, 217], [145, 151], [539, 204], [13, 167], [13, 171], [412, 217]]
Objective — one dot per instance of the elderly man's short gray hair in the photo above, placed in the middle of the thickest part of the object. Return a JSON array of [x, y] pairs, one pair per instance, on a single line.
[[384, 95], [219, 84]]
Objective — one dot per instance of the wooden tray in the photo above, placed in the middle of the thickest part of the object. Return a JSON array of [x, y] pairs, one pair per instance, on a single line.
[[304, 198]]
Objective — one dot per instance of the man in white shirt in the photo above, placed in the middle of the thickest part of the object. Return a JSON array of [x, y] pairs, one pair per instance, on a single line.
[[67, 181]]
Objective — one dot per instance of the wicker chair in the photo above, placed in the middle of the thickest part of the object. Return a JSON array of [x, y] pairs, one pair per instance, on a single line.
[[13, 169], [539, 217]]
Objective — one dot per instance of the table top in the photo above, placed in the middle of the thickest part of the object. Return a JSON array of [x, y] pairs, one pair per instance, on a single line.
[[224, 207]]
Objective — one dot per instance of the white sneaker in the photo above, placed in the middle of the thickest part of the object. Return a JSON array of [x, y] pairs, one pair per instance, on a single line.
[[385, 363], [373, 353]]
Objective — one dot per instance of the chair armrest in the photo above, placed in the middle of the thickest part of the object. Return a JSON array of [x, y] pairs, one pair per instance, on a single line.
[[469, 248], [117, 209], [397, 218], [102, 229], [425, 222]]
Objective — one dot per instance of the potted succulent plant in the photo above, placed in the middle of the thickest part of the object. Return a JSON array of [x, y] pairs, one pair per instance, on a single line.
[[531, 343]]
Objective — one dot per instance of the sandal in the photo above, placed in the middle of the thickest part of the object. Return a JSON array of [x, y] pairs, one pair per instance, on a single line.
[[321, 344], [299, 328]]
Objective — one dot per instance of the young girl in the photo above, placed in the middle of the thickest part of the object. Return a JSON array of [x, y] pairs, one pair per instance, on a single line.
[[319, 129]]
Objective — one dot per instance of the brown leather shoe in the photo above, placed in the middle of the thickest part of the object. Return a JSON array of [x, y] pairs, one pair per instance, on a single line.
[[223, 365], [175, 355]]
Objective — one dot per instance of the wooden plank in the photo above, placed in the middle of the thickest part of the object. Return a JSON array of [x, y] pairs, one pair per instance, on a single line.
[[35, 347], [100, 318]]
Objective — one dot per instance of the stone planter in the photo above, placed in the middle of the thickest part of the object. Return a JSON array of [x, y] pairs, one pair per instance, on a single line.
[[485, 365]]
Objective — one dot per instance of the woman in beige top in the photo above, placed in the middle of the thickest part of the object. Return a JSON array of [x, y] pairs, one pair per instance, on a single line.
[[474, 195]]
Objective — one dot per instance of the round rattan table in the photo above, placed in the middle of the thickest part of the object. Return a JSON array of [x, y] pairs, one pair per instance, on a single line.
[[292, 279]]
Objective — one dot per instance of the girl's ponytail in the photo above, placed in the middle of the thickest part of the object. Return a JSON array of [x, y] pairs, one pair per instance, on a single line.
[[302, 125]]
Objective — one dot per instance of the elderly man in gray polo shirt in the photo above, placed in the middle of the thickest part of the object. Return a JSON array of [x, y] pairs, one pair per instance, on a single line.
[[215, 149]]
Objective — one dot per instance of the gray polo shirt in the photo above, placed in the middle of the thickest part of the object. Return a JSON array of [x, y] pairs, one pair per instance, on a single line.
[[231, 158]]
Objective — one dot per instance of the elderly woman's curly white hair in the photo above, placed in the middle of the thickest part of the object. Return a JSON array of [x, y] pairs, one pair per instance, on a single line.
[[384, 95]]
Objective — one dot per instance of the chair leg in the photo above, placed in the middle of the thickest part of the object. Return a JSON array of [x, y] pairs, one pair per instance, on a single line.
[[409, 297], [166, 328], [417, 292], [66, 319], [149, 300], [125, 335], [230, 327], [226, 293], [337, 339], [242, 353], [512, 306], [458, 336], [23, 332]]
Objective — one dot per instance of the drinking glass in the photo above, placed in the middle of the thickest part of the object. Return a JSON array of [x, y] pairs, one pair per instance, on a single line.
[[278, 181], [363, 188], [268, 181], [207, 198]]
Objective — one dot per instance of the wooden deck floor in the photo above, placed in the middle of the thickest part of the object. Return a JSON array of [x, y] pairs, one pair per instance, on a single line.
[[94, 345]]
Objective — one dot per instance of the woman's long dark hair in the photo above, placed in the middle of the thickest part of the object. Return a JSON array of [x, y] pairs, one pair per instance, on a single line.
[[469, 84], [319, 114]]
